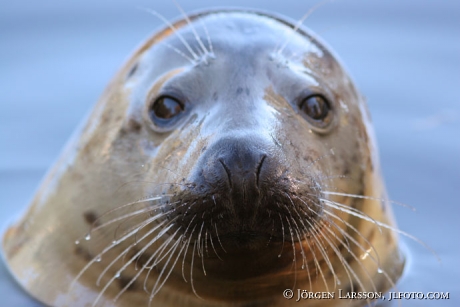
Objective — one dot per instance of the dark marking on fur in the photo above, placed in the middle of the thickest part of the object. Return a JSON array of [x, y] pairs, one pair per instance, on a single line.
[[91, 218], [123, 281], [132, 71], [134, 125], [82, 252]]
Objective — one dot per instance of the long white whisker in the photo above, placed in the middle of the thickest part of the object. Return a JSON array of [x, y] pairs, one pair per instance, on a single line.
[[98, 256], [218, 238], [143, 210], [293, 253], [367, 218], [187, 243], [169, 272], [345, 264], [178, 52], [191, 271], [377, 260], [207, 36], [161, 233], [299, 24], [315, 230], [174, 29], [370, 198], [304, 259], [213, 247], [282, 230], [344, 232], [350, 210], [158, 254], [355, 257], [197, 37]]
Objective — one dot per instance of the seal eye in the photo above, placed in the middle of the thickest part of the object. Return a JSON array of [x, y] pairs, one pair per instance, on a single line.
[[165, 112], [317, 111], [166, 108], [316, 107]]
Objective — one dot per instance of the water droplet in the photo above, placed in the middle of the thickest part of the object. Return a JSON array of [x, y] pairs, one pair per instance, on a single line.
[[279, 256], [303, 266], [114, 242], [117, 275], [379, 270], [98, 259], [88, 237], [77, 242]]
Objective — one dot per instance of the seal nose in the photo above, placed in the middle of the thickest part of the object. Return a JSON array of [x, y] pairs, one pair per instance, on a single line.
[[243, 168], [237, 170]]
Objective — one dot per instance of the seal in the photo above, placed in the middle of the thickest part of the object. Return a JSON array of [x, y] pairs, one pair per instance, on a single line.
[[231, 158]]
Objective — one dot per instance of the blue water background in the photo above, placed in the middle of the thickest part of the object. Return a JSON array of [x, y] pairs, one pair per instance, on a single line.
[[56, 57]]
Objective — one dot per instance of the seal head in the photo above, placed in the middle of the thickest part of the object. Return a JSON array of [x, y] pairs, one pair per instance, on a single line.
[[231, 158]]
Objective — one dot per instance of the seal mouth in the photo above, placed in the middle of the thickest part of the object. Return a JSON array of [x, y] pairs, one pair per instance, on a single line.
[[274, 215]]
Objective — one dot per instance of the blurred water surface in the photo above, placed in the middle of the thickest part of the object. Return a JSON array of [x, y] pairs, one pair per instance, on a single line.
[[56, 58]]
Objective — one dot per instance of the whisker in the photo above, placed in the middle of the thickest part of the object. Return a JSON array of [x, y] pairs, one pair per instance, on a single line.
[[161, 233], [197, 37], [174, 29], [344, 232], [299, 24], [160, 214], [201, 245], [95, 228], [98, 256], [304, 259], [282, 230], [122, 254], [370, 198], [315, 260], [159, 255], [345, 264], [187, 243], [369, 219], [218, 238], [211, 50], [353, 239], [320, 245], [293, 252], [178, 52], [141, 225], [206, 242], [393, 285], [169, 272], [126, 287], [191, 271], [356, 258], [213, 247], [349, 210]]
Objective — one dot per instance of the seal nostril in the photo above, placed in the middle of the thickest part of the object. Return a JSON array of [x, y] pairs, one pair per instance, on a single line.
[[227, 170], [259, 167]]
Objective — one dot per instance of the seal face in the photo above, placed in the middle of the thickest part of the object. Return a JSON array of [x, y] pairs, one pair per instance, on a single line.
[[230, 159]]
